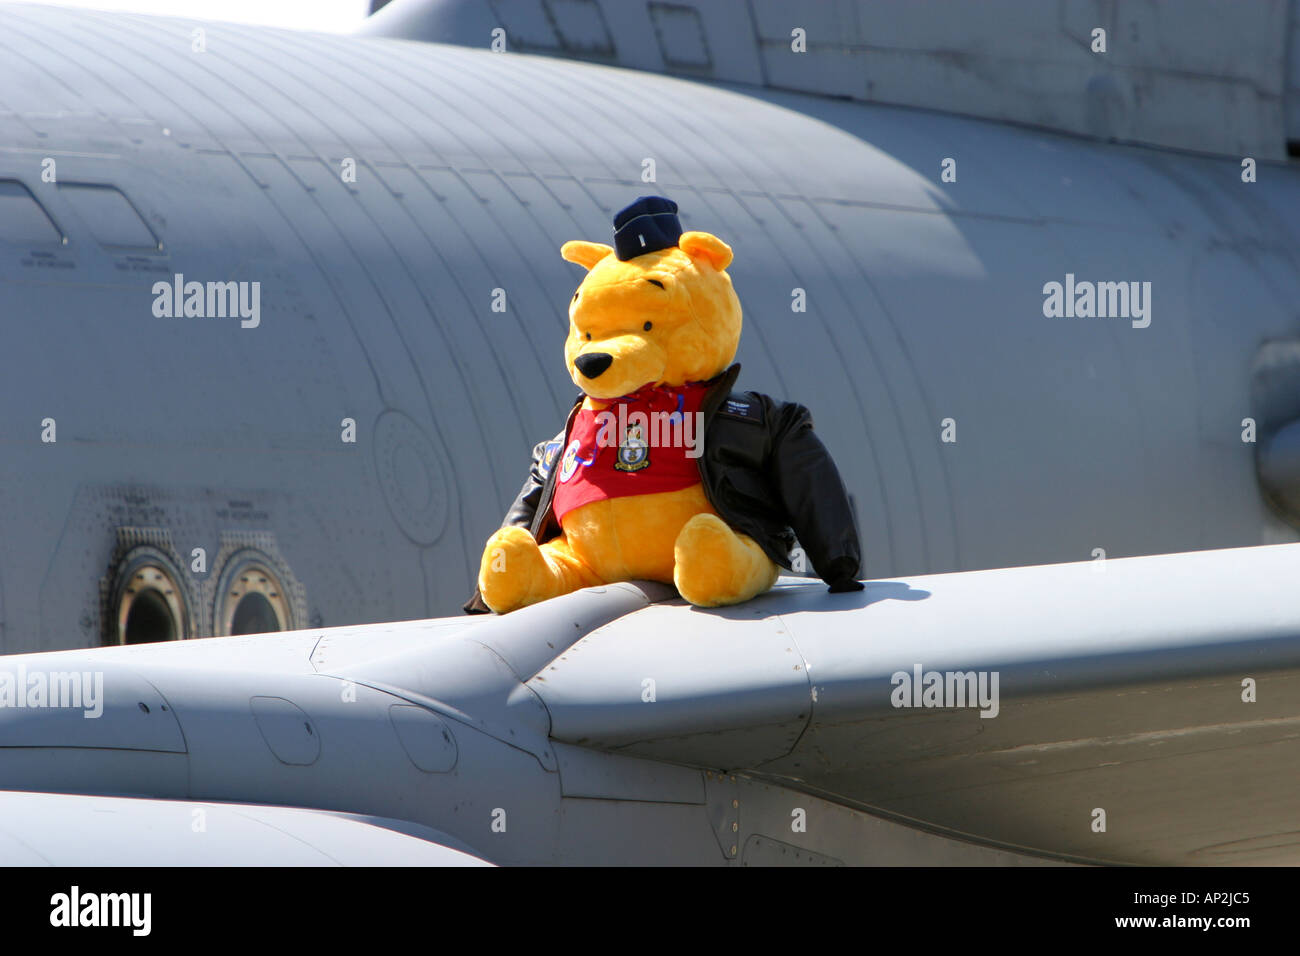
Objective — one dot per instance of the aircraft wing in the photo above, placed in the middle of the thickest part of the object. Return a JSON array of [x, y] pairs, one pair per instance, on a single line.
[[1158, 697], [55, 829], [1143, 710]]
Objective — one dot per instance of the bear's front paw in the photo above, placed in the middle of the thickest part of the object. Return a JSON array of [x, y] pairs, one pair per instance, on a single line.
[[512, 570]]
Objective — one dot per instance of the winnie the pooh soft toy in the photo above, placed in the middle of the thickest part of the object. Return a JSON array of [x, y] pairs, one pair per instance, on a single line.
[[662, 472]]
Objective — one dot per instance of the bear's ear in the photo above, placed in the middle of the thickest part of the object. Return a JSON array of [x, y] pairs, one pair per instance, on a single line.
[[703, 245], [585, 254]]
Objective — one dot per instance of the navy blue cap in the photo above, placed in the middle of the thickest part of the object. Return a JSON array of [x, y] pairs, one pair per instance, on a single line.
[[648, 225]]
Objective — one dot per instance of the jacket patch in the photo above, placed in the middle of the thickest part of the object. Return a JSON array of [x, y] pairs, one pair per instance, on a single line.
[[548, 458], [746, 410]]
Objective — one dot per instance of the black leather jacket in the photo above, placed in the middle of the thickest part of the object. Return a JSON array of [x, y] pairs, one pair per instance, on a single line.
[[764, 471]]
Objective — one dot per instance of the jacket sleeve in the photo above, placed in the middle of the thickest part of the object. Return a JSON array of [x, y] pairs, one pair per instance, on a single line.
[[524, 508], [522, 511], [812, 492]]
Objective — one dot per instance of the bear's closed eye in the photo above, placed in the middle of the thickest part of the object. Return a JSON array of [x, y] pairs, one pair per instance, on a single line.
[[655, 282]]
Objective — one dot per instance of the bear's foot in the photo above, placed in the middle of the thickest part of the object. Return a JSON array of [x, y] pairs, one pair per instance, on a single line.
[[512, 570], [515, 572], [714, 566]]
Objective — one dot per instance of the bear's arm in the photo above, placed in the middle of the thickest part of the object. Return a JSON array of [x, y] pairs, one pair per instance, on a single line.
[[524, 508], [522, 511], [812, 492]]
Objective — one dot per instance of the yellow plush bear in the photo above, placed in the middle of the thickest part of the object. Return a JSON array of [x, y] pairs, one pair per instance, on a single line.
[[618, 495], [663, 318]]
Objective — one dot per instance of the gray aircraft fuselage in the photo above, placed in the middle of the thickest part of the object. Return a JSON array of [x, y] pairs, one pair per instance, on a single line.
[[425, 303]]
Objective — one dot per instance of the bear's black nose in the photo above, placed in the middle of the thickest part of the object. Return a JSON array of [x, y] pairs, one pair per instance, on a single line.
[[593, 363]]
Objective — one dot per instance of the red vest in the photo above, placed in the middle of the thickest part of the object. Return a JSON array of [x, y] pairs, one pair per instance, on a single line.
[[635, 445]]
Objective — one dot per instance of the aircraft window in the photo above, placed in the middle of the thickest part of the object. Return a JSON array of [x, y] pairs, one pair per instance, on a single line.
[[576, 26], [109, 215], [22, 219], [528, 25], [581, 26], [682, 41]]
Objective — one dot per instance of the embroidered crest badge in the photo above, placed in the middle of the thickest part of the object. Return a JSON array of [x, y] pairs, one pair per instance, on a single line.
[[634, 453]]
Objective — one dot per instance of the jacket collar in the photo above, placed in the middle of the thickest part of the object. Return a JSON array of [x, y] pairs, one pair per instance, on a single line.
[[724, 382], [719, 389]]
